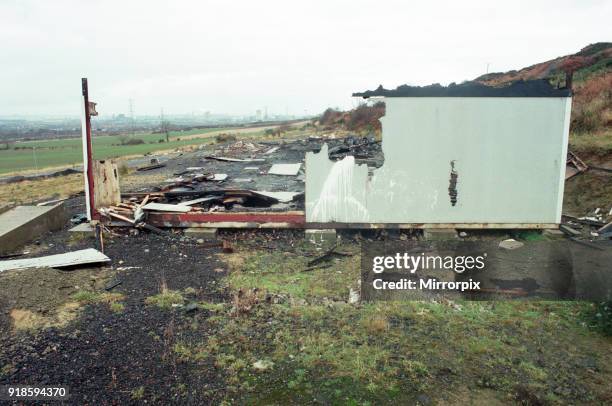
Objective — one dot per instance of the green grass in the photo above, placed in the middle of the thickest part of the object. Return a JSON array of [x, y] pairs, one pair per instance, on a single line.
[[393, 352], [598, 145], [166, 299], [87, 296], [284, 273], [69, 151]]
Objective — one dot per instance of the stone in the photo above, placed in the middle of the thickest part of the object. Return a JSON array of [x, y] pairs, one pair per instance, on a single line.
[[440, 234], [191, 307], [510, 244]]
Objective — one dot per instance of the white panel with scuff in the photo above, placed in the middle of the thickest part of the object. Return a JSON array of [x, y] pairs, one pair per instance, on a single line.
[[508, 155]]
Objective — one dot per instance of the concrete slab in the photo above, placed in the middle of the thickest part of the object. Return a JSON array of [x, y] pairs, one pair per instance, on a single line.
[[84, 229], [25, 223], [440, 234], [208, 234], [6, 207]]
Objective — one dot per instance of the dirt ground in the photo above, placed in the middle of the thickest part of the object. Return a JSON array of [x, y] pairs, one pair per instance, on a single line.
[[190, 324]]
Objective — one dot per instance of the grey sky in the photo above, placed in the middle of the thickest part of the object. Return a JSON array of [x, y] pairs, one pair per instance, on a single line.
[[237, 56]]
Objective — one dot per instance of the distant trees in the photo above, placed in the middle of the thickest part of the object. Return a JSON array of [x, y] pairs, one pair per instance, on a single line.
[[127, 140], [165, 128]]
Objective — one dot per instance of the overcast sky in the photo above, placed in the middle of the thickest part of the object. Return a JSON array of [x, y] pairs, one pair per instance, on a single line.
[[238, 56]]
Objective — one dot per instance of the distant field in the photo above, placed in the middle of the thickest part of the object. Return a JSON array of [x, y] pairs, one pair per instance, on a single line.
[[31, 154]]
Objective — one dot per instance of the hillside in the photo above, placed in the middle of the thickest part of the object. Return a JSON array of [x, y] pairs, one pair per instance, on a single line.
[[592, 84], [592, 99]]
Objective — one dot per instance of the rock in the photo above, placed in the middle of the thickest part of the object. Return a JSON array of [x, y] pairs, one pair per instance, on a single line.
[[354, 296], [423, 399], [263, 365], [191, 307], [463, 234], [510, 244]]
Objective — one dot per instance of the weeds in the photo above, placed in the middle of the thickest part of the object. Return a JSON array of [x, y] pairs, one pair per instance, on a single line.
[[89, 297], [166, 298], [599, 317], [138, 393], [117, 307]]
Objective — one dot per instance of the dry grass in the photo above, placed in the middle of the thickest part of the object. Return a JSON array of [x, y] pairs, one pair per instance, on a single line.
[[596, 145], [244, 301], [34, 190], [375, 325], [592, 107], [27, 320]]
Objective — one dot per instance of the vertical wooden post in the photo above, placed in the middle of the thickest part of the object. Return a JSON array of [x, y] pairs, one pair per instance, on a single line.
[[87, 154]]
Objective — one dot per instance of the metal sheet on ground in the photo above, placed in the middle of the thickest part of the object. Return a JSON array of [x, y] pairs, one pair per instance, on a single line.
[[81, 257], [285, 169]]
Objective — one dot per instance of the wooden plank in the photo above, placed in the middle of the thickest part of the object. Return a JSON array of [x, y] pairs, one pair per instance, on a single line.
[[106, 181]]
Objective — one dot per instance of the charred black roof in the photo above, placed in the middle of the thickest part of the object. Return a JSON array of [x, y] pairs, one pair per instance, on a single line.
[[529, 88]]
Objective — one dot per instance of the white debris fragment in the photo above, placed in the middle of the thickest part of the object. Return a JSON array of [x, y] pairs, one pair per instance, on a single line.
[[510, 244], [285, 169], [263, 365]]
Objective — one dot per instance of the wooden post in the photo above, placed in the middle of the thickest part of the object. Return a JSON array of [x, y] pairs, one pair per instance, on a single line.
[[87, 154]]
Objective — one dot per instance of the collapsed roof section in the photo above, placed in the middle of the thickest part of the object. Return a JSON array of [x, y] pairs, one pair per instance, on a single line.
[[531, 88]]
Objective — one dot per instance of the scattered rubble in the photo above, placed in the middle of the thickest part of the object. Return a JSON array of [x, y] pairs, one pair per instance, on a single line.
[[574, 165]]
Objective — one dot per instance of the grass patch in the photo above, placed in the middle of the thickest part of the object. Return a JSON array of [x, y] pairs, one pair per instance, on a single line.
[[166, 299], [284, 273], [586, 192], [137, 393], [88, 296], [35, 190], [113, 300], [378, 353], [599, 145], [393, 352], [68, 151], [117, 307], [598, 316]]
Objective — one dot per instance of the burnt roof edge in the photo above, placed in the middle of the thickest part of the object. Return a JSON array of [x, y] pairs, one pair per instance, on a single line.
[[521, 88]]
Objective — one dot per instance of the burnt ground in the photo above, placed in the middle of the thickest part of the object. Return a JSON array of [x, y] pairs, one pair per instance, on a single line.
[[101, 354]]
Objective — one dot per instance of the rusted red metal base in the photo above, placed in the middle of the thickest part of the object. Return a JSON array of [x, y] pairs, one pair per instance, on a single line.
[[291, 219], [297, 219]]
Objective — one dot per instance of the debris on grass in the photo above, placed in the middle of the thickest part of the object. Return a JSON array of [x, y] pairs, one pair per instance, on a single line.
[[263, 365]]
